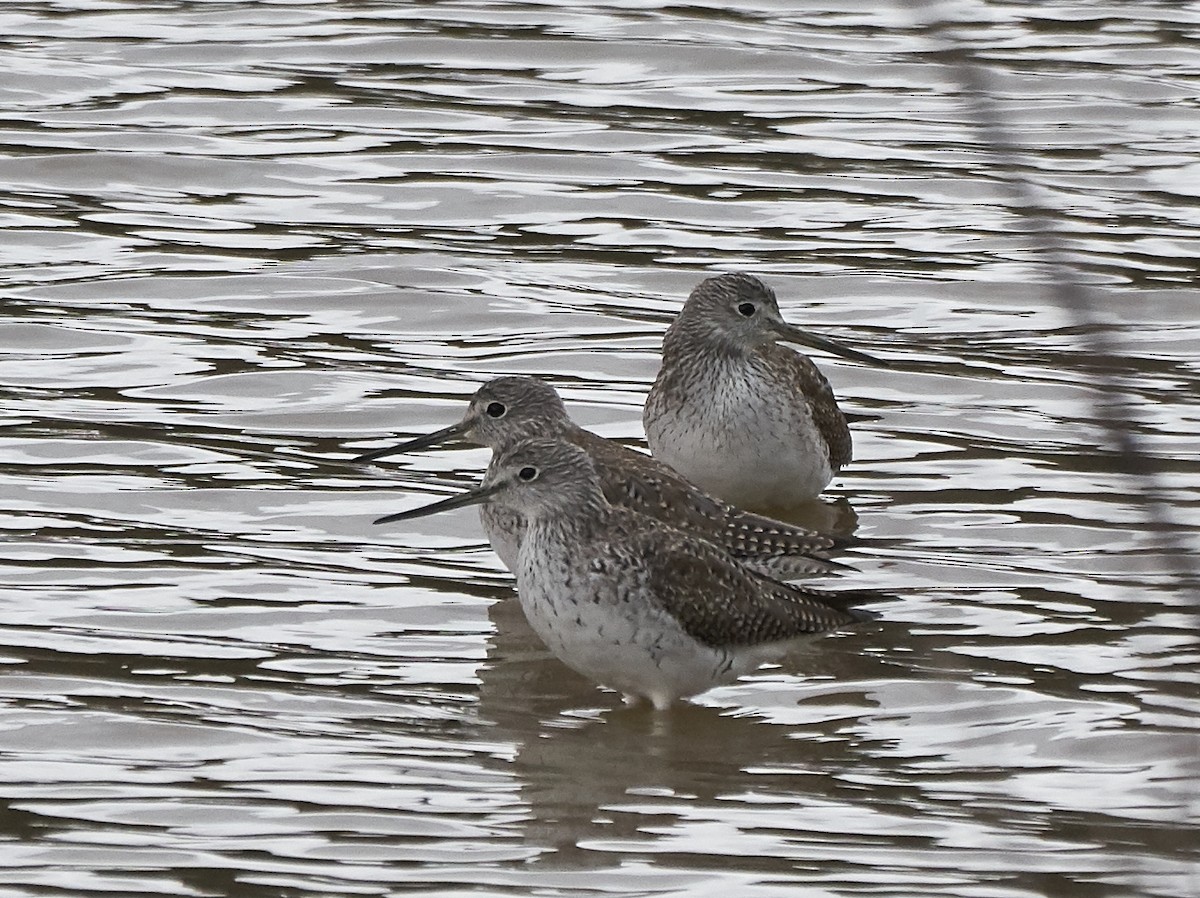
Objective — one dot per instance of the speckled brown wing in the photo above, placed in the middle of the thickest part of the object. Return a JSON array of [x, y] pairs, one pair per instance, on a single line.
[[772, 547], [718, 601], [757, 535], [811, 386], [642, 483]]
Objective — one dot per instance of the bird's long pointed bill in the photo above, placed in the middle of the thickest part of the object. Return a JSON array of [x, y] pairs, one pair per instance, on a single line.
[[429, 440], [794, 334], [470, 497]]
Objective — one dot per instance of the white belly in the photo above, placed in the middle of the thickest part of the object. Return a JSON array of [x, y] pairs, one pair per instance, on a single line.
[[752, 470], [751, 449], [598, 625]]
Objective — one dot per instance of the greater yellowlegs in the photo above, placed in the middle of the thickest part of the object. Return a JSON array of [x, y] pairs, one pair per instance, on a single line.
[[740, 416], [626, 600], [509, 409]]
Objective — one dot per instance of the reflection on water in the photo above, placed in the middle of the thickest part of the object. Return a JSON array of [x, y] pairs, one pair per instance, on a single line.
[[243, 241]]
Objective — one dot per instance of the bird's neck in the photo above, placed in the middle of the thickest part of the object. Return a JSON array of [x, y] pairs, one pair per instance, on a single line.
[[697, 343], [575, 521]]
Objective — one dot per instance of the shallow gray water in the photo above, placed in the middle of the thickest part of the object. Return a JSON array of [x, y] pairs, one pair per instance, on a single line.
[[244, 241]]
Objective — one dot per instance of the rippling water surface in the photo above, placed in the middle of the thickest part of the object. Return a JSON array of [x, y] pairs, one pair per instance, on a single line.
[[243, 241]]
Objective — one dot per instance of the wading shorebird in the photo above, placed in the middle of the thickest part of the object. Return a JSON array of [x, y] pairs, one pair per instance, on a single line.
[[630, 602], [750, 421], [509, 409]]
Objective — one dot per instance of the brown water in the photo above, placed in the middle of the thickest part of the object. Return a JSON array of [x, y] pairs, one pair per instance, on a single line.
[[245, 240]]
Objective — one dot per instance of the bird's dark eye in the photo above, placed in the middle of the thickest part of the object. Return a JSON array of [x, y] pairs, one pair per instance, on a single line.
[[527, 473], [496, 410], [747, 309]]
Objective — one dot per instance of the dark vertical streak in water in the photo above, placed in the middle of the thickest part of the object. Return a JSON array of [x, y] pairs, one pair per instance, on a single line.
[[1119, 419]]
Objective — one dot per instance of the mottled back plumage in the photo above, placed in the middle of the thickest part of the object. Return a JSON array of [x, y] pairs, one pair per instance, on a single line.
[[722, 604], [509, 409]]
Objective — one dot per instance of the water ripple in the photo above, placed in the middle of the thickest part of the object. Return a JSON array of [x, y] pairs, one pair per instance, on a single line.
[[243, 241]]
